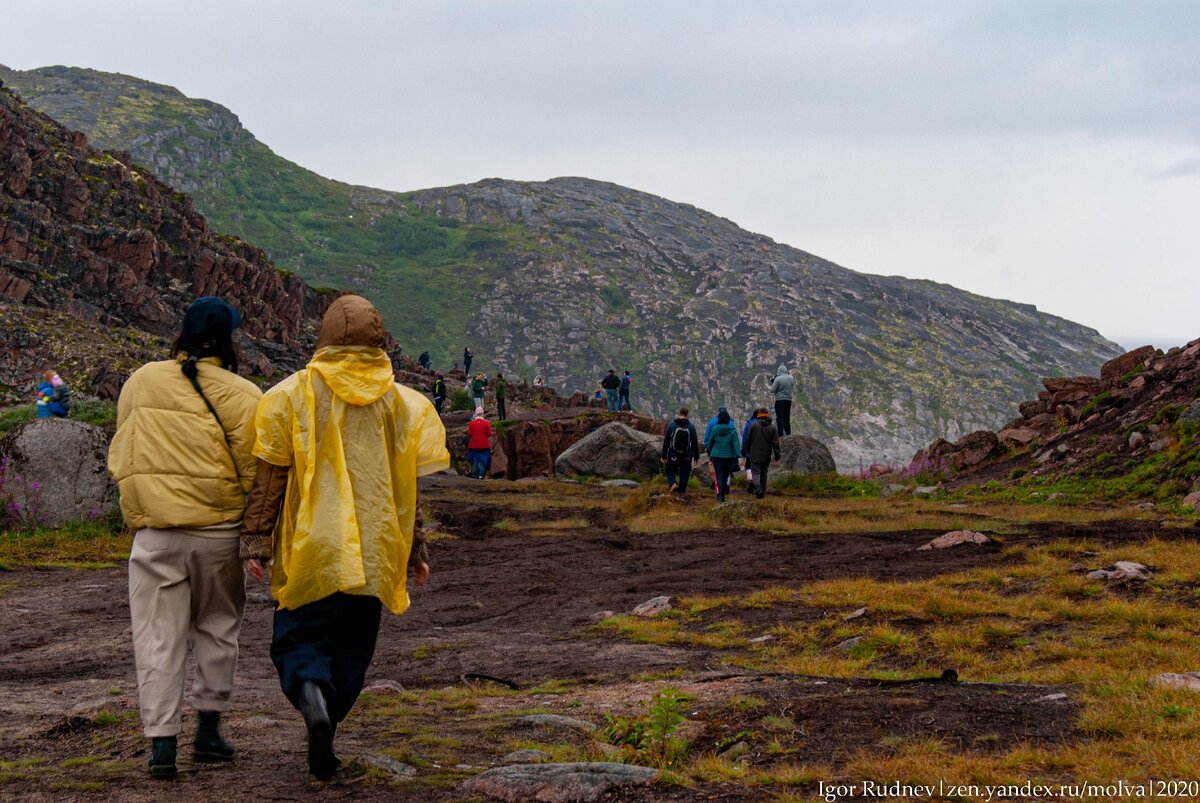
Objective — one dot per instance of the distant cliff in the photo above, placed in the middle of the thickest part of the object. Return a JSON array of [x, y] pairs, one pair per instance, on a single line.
[[98, 261], [569, 277]]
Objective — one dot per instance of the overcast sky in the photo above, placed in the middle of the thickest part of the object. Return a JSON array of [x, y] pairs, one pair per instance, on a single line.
[[1045, 152]]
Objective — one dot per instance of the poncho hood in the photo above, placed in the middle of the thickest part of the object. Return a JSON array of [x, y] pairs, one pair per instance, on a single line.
[[357, 375], [783, 370]]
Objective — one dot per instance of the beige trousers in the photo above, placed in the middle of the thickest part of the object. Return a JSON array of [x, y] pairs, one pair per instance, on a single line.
[[184, 590]]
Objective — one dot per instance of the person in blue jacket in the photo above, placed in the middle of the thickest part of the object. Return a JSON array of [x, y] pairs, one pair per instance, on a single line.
[[721, 443]]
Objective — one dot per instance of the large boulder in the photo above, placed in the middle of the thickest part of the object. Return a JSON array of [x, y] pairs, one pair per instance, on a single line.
[[613, 450], [1117, 367], [56, 470], [804, 455]]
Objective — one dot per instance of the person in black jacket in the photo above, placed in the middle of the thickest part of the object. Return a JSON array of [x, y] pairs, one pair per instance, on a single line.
[[468, 355], [610, 384], [623, 393], [439, 393], [762, 446], [680, 450]]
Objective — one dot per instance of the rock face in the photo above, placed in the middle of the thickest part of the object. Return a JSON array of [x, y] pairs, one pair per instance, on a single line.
[[614, 450], [804, 455], [56, 471], [576, 276], [1143, 406], [559, 783], [88, 235]]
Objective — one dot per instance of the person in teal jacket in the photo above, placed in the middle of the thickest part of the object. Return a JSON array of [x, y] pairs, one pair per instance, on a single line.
[[724, 451]]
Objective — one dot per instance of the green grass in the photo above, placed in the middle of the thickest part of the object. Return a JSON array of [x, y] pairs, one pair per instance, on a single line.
[[99, 412], [96, 545]]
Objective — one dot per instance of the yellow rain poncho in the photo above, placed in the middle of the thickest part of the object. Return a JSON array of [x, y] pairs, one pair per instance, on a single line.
[[356, 442]]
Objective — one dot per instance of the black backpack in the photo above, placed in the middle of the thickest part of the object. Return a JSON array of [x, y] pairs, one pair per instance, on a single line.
[[681, 441], [62, 395]]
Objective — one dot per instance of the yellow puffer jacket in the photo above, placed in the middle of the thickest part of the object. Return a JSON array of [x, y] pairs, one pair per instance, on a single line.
[[169, 457]]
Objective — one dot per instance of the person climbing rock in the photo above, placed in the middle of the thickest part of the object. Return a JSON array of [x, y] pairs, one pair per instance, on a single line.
[[680, 450], [182, 459], [340, 447], [782, 386]]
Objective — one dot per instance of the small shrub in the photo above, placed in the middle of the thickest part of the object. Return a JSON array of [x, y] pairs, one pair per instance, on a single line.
[[460, 399], [1017, 473], [652, 737]]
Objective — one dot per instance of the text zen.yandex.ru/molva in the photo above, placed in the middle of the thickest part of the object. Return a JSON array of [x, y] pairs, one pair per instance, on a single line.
[[1115, 790]]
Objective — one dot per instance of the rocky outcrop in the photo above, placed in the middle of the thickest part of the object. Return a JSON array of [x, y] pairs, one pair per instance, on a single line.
[[614, 450], [1144, 404], [54, 471], [89, 235], [571, 277]]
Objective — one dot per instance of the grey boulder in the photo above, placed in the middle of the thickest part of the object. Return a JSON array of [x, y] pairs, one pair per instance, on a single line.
[[559, 783], [58, 472], [804, 455], [613, 450]]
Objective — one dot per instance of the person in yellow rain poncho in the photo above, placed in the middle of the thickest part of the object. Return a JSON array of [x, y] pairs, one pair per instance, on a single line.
[[340, 446]]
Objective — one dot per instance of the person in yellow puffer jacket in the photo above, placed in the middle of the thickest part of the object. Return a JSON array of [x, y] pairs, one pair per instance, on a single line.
[[182, 458], [340, 446]]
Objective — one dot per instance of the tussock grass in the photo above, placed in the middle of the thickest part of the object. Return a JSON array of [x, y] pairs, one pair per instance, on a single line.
[[78, 546]]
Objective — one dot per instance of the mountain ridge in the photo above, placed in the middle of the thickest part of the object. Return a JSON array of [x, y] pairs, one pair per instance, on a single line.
[[568, 277]]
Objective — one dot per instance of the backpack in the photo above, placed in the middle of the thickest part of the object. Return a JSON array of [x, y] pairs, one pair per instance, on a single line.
[[62, 395], [681, 441], [439, 388]]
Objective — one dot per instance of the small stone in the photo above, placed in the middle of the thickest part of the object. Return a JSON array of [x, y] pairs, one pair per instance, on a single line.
[[1131, 566], [850, 643], [384, 688], [260, 597], [1177, 680], [892, 489], [621, 484], [956, 538], [857, 614], [89, 708], [388, 765], [527, 757], [1053, 698], [735, 751], [559, 783], [1160, 444], [1136, 439], [556, 722], [1099, 574], [925, 490], [1192, 500], [653, 607], [259, 723], [600, 616], [762, 639], [1146, 505]]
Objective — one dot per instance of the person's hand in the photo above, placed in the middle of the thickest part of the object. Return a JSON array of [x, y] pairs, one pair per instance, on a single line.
[[421, 573], [256, 568]]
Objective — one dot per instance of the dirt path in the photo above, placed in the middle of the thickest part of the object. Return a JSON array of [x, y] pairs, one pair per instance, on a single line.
[[501, 603]]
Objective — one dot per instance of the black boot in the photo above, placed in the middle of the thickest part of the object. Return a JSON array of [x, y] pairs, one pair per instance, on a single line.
[[162, 757], [209, 746], [321, 761]]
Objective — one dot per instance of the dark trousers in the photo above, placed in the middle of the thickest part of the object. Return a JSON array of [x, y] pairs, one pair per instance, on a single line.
[[623, 401], [467, 368], [438, 401], [681, 469], [500, 409], [723, 468], [329, 642], [783, 416], [760, 477]]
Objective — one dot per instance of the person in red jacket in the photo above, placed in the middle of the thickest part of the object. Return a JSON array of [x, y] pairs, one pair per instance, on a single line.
[[479, 444]]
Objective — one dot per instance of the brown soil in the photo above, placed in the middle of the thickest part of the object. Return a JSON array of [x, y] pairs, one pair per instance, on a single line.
[[510, 605]]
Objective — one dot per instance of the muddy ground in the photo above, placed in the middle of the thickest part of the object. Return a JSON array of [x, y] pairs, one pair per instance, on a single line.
[[511, 605]]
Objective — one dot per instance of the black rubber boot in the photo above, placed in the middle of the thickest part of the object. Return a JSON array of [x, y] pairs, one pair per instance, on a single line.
[[321, 761], [209, 746], [162, 757]]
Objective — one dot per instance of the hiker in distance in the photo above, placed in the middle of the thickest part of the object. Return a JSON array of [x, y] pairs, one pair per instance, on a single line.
[[721, 443], [53, 396], [182, 459], [424, 360], [501, 392], [340, 446], [479, 444], [439, 393], [477, 386], [623, 393], [782, 386], [680, 451], [468, 356], [611, 384], [762, 446]]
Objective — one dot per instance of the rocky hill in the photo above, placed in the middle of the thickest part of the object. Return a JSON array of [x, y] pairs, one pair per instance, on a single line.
[[98, 260], [569, 277], [1133, 431]]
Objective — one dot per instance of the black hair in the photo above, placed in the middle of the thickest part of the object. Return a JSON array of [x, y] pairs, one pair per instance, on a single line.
[[222, 348]]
